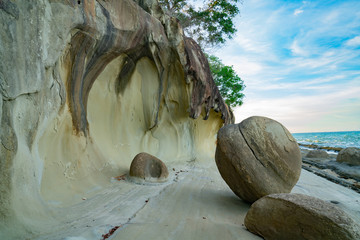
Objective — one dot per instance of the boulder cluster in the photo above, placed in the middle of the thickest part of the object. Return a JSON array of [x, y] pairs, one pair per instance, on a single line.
[[261, 162]]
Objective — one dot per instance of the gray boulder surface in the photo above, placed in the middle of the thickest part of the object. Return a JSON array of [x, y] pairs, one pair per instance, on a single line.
[[350, 155], [298, 216], [258, 157], [317, 154]]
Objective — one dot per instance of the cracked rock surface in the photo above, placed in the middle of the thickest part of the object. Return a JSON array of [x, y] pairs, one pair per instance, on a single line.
[[298, 216], [258, 157]]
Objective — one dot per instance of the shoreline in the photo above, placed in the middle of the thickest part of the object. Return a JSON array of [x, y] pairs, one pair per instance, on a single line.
[[314, 146], [339, 173]]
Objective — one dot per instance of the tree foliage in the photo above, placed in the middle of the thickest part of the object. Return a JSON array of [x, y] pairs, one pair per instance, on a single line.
[[210, 24], [229, 83]]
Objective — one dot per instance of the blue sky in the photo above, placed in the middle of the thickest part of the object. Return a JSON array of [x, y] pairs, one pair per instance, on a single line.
[[300, 61]]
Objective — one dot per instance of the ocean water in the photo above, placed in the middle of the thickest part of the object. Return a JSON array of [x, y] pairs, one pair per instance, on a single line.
[[330, 139]]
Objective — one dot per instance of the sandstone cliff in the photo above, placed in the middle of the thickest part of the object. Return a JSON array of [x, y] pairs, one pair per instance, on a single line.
[[85, 86]]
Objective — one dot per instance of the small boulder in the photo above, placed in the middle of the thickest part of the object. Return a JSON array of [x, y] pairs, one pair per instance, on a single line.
[[297, 216], [317, 154], [258, 157], [146, 167], [350, 155]]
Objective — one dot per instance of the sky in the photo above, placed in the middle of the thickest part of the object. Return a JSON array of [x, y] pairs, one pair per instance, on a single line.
[[300, 61]]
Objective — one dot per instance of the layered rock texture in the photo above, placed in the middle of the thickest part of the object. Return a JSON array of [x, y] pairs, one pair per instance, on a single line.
[[297, 216], [258, 157], [84, 87]]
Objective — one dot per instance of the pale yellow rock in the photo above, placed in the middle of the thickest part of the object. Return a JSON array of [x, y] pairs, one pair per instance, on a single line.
[[84, 87]]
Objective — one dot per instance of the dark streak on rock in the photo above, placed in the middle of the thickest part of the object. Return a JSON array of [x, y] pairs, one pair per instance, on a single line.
[[90, 55], [205, 91], [8, 150], [10, 8]]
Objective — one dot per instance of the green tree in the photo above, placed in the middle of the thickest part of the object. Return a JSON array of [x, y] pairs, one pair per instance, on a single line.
[[210, 24], [229, 83]]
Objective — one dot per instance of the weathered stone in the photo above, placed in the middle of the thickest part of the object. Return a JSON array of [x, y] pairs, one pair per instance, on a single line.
[[350, 155], [149, 168], [83, 82], [258, 157], [297, 216], [317, 154]]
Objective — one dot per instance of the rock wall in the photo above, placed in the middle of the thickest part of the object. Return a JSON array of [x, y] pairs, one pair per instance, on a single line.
[[85, 86]]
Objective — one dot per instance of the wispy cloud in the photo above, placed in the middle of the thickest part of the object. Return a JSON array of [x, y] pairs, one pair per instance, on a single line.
[[299, 113], [354, 42], [298, 11], [300, 62], [297, 50]]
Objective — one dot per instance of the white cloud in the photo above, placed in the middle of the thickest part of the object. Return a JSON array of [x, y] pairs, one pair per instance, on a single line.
[[354, 42], [324, 61], [298, 11], [297, 50], [251, 44], [297, 70], [300, 113], [244, 66], [321, 84]]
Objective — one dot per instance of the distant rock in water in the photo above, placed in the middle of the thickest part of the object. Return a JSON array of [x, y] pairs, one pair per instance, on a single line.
[[297, 216], [350, 155], [258, 157], [148, 168], [317, 154]]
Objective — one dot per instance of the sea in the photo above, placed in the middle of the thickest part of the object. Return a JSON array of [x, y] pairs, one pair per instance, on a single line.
[[330, 139]]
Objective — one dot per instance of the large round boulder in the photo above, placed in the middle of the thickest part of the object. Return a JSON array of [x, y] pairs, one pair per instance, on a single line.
[[317, 154], [258, 157], [146, 167], [350, 155], [297, 216]]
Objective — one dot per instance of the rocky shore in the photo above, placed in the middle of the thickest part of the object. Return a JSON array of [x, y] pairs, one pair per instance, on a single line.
[[314, 146], [327, 167], [109, 124]]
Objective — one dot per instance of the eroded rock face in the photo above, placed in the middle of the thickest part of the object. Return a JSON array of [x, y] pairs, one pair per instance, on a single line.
[[297, 216], [349, 155], [317, 154], [84, 82], [148, 168], [258, 157]]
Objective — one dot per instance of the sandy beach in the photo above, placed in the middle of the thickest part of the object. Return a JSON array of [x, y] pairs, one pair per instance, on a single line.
[[194, 204], [86, 86]]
